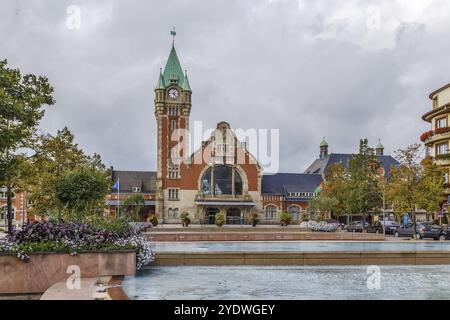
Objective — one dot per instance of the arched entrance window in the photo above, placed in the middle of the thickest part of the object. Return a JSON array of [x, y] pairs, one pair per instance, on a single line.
[[271, 212], [210, 215], [295, 212], [220, 181], [173, 213], [233, 216]]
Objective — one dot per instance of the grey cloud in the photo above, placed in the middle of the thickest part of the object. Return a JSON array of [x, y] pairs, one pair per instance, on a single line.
[[255, 64]]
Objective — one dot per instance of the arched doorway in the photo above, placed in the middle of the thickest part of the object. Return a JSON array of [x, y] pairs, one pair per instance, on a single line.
[[294, 211], [234, 216], [210, 215]]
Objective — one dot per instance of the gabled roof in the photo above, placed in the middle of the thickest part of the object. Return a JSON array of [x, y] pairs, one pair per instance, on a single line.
[[146, 180], [283, 183], [321, 166]]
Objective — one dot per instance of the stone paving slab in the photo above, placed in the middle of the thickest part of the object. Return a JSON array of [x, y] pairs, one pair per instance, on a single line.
[[59, 291]]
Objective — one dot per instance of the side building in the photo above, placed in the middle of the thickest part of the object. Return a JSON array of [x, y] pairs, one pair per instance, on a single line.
[[20, 207], [437, 139]]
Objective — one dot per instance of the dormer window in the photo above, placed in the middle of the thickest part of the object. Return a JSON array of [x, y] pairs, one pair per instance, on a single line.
[[136, 189]]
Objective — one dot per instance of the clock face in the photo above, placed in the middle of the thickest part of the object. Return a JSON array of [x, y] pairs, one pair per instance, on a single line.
[[173, 94]]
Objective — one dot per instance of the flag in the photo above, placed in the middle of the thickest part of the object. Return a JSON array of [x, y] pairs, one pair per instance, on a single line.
[[116, 185], [319, 188]]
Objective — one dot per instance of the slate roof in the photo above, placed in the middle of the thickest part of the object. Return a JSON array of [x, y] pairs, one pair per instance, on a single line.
[[146, 180], [283, 183], [320, 166]]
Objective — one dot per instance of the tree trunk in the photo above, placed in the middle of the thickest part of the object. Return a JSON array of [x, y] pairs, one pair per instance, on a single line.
[[9, 215], [364, 222]]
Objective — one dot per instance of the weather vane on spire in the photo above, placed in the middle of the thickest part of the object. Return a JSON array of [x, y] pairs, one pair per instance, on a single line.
[[173, 33]]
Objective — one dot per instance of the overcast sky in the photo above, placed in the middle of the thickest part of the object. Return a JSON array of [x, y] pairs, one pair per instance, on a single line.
[[340, 69]]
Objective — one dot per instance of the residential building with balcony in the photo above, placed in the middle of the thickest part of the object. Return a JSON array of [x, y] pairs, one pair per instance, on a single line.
[[437, 140]]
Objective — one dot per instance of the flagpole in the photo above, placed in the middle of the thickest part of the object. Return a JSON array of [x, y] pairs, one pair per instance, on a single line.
[[118, 197]]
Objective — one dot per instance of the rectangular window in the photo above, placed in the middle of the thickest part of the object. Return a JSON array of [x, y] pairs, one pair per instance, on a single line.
[[173, 194], [174, 172], [3, 193], [441, 123], [441, 149]]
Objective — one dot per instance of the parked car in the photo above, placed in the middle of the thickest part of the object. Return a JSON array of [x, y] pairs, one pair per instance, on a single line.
[[376, 227], [391, 226], [435, 232], [407, 230], [356, 226]]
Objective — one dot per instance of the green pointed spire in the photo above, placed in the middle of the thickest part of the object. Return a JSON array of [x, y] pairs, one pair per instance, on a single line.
[[380, 146], [324, 143], [186, 86], [160, 84], [173, 73]]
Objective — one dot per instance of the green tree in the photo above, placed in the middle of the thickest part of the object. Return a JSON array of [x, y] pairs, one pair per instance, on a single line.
[[83, 191], [335, 188], [322, 204], [22, 98], [133, 206], [363, 190], [55, 156], [415, 184]]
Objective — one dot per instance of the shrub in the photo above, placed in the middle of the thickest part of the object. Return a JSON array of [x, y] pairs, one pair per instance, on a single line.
[[153, 220], [220, 219], [254, 219], [285, 219], [185, 220]]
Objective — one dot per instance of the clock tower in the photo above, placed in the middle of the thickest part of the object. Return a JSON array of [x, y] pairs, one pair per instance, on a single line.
[[172, 110]]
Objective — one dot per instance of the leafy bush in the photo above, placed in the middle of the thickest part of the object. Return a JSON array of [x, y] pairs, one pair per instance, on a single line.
[[220, 219], [285, 218], [153, 220], [74, 237], [185, 220], [254, 219]]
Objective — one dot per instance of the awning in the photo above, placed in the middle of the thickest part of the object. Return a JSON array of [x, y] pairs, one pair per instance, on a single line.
[[224, 203]]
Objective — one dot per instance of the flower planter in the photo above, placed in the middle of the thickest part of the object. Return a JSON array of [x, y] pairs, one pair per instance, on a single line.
[[45, 269]]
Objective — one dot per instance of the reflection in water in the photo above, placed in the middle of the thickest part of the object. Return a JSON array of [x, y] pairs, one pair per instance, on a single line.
[[277, 282]]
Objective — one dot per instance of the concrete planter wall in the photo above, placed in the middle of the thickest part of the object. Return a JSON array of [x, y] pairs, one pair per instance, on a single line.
[[45, 269]]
